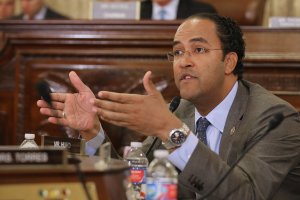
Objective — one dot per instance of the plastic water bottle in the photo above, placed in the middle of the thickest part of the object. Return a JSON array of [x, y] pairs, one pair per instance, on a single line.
[[138, 163], [162, 178], [29, 142]]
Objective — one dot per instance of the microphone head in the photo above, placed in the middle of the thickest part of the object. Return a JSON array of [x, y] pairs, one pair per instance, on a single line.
[[174, 103], [44, 91], [276, 120]]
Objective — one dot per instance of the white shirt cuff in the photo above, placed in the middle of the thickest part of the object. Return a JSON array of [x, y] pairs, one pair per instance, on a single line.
[[93, 144], [180, 156]]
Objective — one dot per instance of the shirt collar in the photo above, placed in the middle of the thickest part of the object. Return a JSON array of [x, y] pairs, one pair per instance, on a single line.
[[217, 117], [171, 10], [39, 16]]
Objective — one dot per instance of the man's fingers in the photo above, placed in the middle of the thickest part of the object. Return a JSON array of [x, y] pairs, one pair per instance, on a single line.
[[55, 105], [77, 83], [60, 121], [131, 98], [52, 112], [58, 105], [42, 104], [61, 97], [118, 97], [55, 97], [112, 106], [148, 84], [118, 119], [113, 117]]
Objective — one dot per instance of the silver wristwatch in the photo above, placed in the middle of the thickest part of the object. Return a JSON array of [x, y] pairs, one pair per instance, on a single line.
[[177, 137]]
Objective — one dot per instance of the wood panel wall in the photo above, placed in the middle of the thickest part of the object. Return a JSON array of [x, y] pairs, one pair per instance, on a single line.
[[114, 55]]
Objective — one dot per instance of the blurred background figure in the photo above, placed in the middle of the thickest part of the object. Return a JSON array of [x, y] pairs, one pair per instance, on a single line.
[[173, 9], [7, 8], [37, 10]]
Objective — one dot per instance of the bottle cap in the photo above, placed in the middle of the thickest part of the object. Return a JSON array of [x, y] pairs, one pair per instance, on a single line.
[[161, 153], [136, 144], [29, 136]]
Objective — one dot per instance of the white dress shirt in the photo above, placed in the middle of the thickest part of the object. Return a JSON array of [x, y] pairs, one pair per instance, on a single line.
[[39, 16], [217, 118], [170, 10]]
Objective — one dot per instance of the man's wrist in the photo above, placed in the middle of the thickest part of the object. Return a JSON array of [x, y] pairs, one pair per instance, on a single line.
[[176, 137], [165, 131], [90, 134]]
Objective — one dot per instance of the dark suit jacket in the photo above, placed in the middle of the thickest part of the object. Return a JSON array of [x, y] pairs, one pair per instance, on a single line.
[[186, 8], [50, 14], [271, 170]]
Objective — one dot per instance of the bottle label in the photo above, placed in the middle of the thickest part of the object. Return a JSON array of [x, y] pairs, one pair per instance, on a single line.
[[138, 175], [161, 189], [138, 179]]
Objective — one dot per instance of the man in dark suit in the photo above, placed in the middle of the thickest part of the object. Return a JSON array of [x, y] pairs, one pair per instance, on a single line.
[[177, 9], [37, 10], [220, 116]]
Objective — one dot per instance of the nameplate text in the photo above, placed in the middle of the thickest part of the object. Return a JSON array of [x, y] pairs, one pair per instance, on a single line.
[[16, 156]]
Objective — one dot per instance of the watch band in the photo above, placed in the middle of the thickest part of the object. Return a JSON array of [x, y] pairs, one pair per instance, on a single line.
[[169, 144]]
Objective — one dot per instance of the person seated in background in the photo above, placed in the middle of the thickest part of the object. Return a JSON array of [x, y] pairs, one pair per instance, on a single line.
[[37, 10], [7, 8], [220, 117], [173, 9]]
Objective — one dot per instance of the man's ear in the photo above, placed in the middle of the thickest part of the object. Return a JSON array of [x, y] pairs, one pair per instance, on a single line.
[[230, 62]]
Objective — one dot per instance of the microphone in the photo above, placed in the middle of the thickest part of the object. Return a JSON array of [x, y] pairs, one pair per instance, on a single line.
[[174, 103], [275, 121], [172, 107], [44, 91]]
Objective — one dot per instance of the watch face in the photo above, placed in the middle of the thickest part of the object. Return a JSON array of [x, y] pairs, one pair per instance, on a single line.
[[178, 137]]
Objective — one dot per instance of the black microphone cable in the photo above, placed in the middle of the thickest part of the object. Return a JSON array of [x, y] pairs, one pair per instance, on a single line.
[[172, 107], [275, 121], [80, 175]]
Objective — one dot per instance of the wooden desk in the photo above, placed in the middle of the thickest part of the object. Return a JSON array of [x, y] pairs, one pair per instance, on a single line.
[[37, 181], [114, 55]]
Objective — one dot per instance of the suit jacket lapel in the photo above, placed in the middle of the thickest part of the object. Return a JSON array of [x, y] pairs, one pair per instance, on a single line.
[[234, 119]]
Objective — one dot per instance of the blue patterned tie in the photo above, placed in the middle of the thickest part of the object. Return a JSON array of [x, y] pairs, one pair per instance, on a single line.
[[162, 14], [202, 124]]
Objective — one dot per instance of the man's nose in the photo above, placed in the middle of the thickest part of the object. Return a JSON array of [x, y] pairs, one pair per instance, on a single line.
[[186, 60]]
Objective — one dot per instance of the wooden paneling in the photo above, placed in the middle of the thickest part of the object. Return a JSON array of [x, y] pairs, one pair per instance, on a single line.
[[6, 116], [114, 55]]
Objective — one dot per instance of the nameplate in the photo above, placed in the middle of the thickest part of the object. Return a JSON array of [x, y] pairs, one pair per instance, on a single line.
[[116, 10], [42, 156], [72, 145], [284, 22]]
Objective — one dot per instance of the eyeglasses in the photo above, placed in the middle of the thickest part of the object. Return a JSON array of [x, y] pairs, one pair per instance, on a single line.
[[178, 54]]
